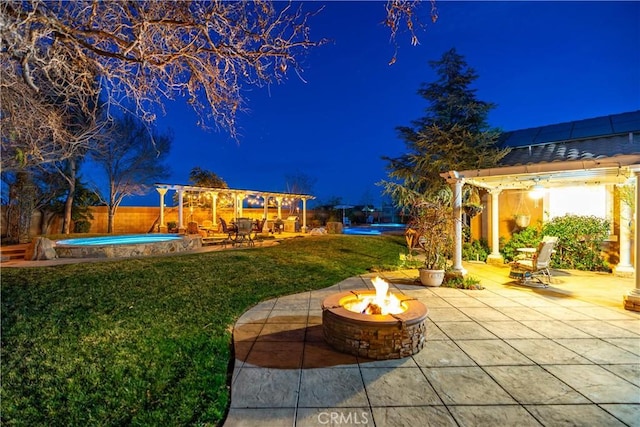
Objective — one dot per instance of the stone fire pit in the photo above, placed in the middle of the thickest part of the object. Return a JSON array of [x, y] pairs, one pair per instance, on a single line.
[[375, 336]]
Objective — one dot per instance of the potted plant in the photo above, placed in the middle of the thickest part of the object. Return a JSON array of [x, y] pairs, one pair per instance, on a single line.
[[432, 221], [472, 209], [473, 205]]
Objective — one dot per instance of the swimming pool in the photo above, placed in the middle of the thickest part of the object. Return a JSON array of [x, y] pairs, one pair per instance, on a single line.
[[374, 229], [125, 245], [119, 239]]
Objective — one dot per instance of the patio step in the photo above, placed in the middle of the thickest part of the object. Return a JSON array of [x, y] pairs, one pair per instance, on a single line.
[[13, 252]]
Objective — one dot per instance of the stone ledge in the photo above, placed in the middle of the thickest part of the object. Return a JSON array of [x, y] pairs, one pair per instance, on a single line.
[[631, 303]]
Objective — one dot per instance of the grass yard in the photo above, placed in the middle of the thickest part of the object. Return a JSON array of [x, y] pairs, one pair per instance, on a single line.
[[148, 341]]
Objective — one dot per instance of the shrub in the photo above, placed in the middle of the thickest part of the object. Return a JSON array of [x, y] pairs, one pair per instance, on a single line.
[[459, 282], [579, 241], [81, 226], [477, 250], [527, 238]]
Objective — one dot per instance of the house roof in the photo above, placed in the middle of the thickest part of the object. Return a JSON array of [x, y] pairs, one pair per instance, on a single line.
[[613, 124], [592, 151], [595, 138]]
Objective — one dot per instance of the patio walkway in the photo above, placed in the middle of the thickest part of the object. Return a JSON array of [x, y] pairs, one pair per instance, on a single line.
[[503, 356]]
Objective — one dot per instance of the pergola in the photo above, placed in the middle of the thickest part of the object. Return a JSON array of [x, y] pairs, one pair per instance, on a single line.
[[618, 170], [237, 197]]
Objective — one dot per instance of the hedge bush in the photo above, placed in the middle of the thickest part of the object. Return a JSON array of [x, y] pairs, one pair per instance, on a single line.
[[580, 238]]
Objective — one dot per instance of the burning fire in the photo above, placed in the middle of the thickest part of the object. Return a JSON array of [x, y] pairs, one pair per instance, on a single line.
[[382, 303]]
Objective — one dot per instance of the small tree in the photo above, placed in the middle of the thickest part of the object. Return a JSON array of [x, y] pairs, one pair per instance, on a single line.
[[432, 222], [203, 178], [131, 157], [298, 183]]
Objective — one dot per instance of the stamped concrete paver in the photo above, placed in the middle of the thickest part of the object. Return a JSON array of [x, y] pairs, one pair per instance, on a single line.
[[534, 385], [506, 355], [596, 383], [398, 387], [488, 415], [427, 416], [332, 387], [574, 415]]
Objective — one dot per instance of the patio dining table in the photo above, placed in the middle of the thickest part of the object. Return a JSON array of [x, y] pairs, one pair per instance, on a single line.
[[243, 230]]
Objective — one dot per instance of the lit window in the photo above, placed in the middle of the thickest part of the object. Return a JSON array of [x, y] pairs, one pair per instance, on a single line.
[[587, 200]]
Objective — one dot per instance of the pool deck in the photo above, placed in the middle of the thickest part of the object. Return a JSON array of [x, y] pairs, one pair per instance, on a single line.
[[504, 356]]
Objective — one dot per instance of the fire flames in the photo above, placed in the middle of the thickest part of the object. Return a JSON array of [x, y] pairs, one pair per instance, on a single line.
[[383, 302]]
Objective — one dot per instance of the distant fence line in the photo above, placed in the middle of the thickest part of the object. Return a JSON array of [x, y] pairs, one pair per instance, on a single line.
[[141, 219]]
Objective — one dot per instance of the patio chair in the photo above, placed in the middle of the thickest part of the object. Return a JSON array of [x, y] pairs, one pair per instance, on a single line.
[[536, 267], [257, 228], [245, 228], [192, 228], [230, 230]]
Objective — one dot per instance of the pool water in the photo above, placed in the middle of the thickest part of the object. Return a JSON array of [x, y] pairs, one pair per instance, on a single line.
[[373, 229], [125, 239]]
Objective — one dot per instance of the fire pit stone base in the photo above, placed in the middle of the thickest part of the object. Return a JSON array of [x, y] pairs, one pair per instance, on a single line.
[[374, 336]]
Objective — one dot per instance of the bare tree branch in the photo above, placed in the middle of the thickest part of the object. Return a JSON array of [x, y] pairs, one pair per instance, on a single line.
[[149, 51], [138, 54]]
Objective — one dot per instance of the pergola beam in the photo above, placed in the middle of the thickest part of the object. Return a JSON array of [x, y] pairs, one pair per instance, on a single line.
[[609, 170], [235, 194]]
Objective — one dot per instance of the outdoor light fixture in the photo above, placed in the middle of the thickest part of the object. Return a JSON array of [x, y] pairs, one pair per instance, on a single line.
[[536, 192]]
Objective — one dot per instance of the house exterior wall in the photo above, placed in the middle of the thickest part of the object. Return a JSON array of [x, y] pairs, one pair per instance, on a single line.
[[517, 202]]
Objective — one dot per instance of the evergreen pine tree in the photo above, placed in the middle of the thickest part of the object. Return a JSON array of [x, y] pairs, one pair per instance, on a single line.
[[453, 135]]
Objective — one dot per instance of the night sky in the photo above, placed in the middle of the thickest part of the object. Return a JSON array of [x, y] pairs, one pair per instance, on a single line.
[[540, 62]]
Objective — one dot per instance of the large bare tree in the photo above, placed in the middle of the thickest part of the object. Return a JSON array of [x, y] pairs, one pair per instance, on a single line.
[[141, 53]]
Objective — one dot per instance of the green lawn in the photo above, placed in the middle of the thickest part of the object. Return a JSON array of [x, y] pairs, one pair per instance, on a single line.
[[148, 341]]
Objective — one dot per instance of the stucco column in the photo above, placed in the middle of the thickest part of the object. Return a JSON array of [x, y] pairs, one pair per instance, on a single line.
[[624, 267], [279, 202], [632, 299], [240, 198], [266, 208], [214, 208], [456, 186], [235, 206], [162, 192], [180, 206], [495, 257], [304, 215]]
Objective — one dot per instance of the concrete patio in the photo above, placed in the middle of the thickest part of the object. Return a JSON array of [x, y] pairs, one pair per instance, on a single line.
[[504, 356]]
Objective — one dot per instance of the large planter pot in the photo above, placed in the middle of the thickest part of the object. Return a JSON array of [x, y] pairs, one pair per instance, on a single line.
[[431, 277]]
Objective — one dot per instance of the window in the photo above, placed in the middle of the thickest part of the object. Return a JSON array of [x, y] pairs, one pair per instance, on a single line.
[[586, 200]]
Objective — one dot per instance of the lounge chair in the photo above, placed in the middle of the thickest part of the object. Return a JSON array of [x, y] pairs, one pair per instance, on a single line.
[[536, 267]]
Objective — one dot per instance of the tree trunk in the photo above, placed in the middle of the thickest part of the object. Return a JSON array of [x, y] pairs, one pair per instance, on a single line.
[[24, 202], [68, 204], [110, 218]]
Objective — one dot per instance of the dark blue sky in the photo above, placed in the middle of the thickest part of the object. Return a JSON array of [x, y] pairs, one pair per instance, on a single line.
[[540, 62]]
